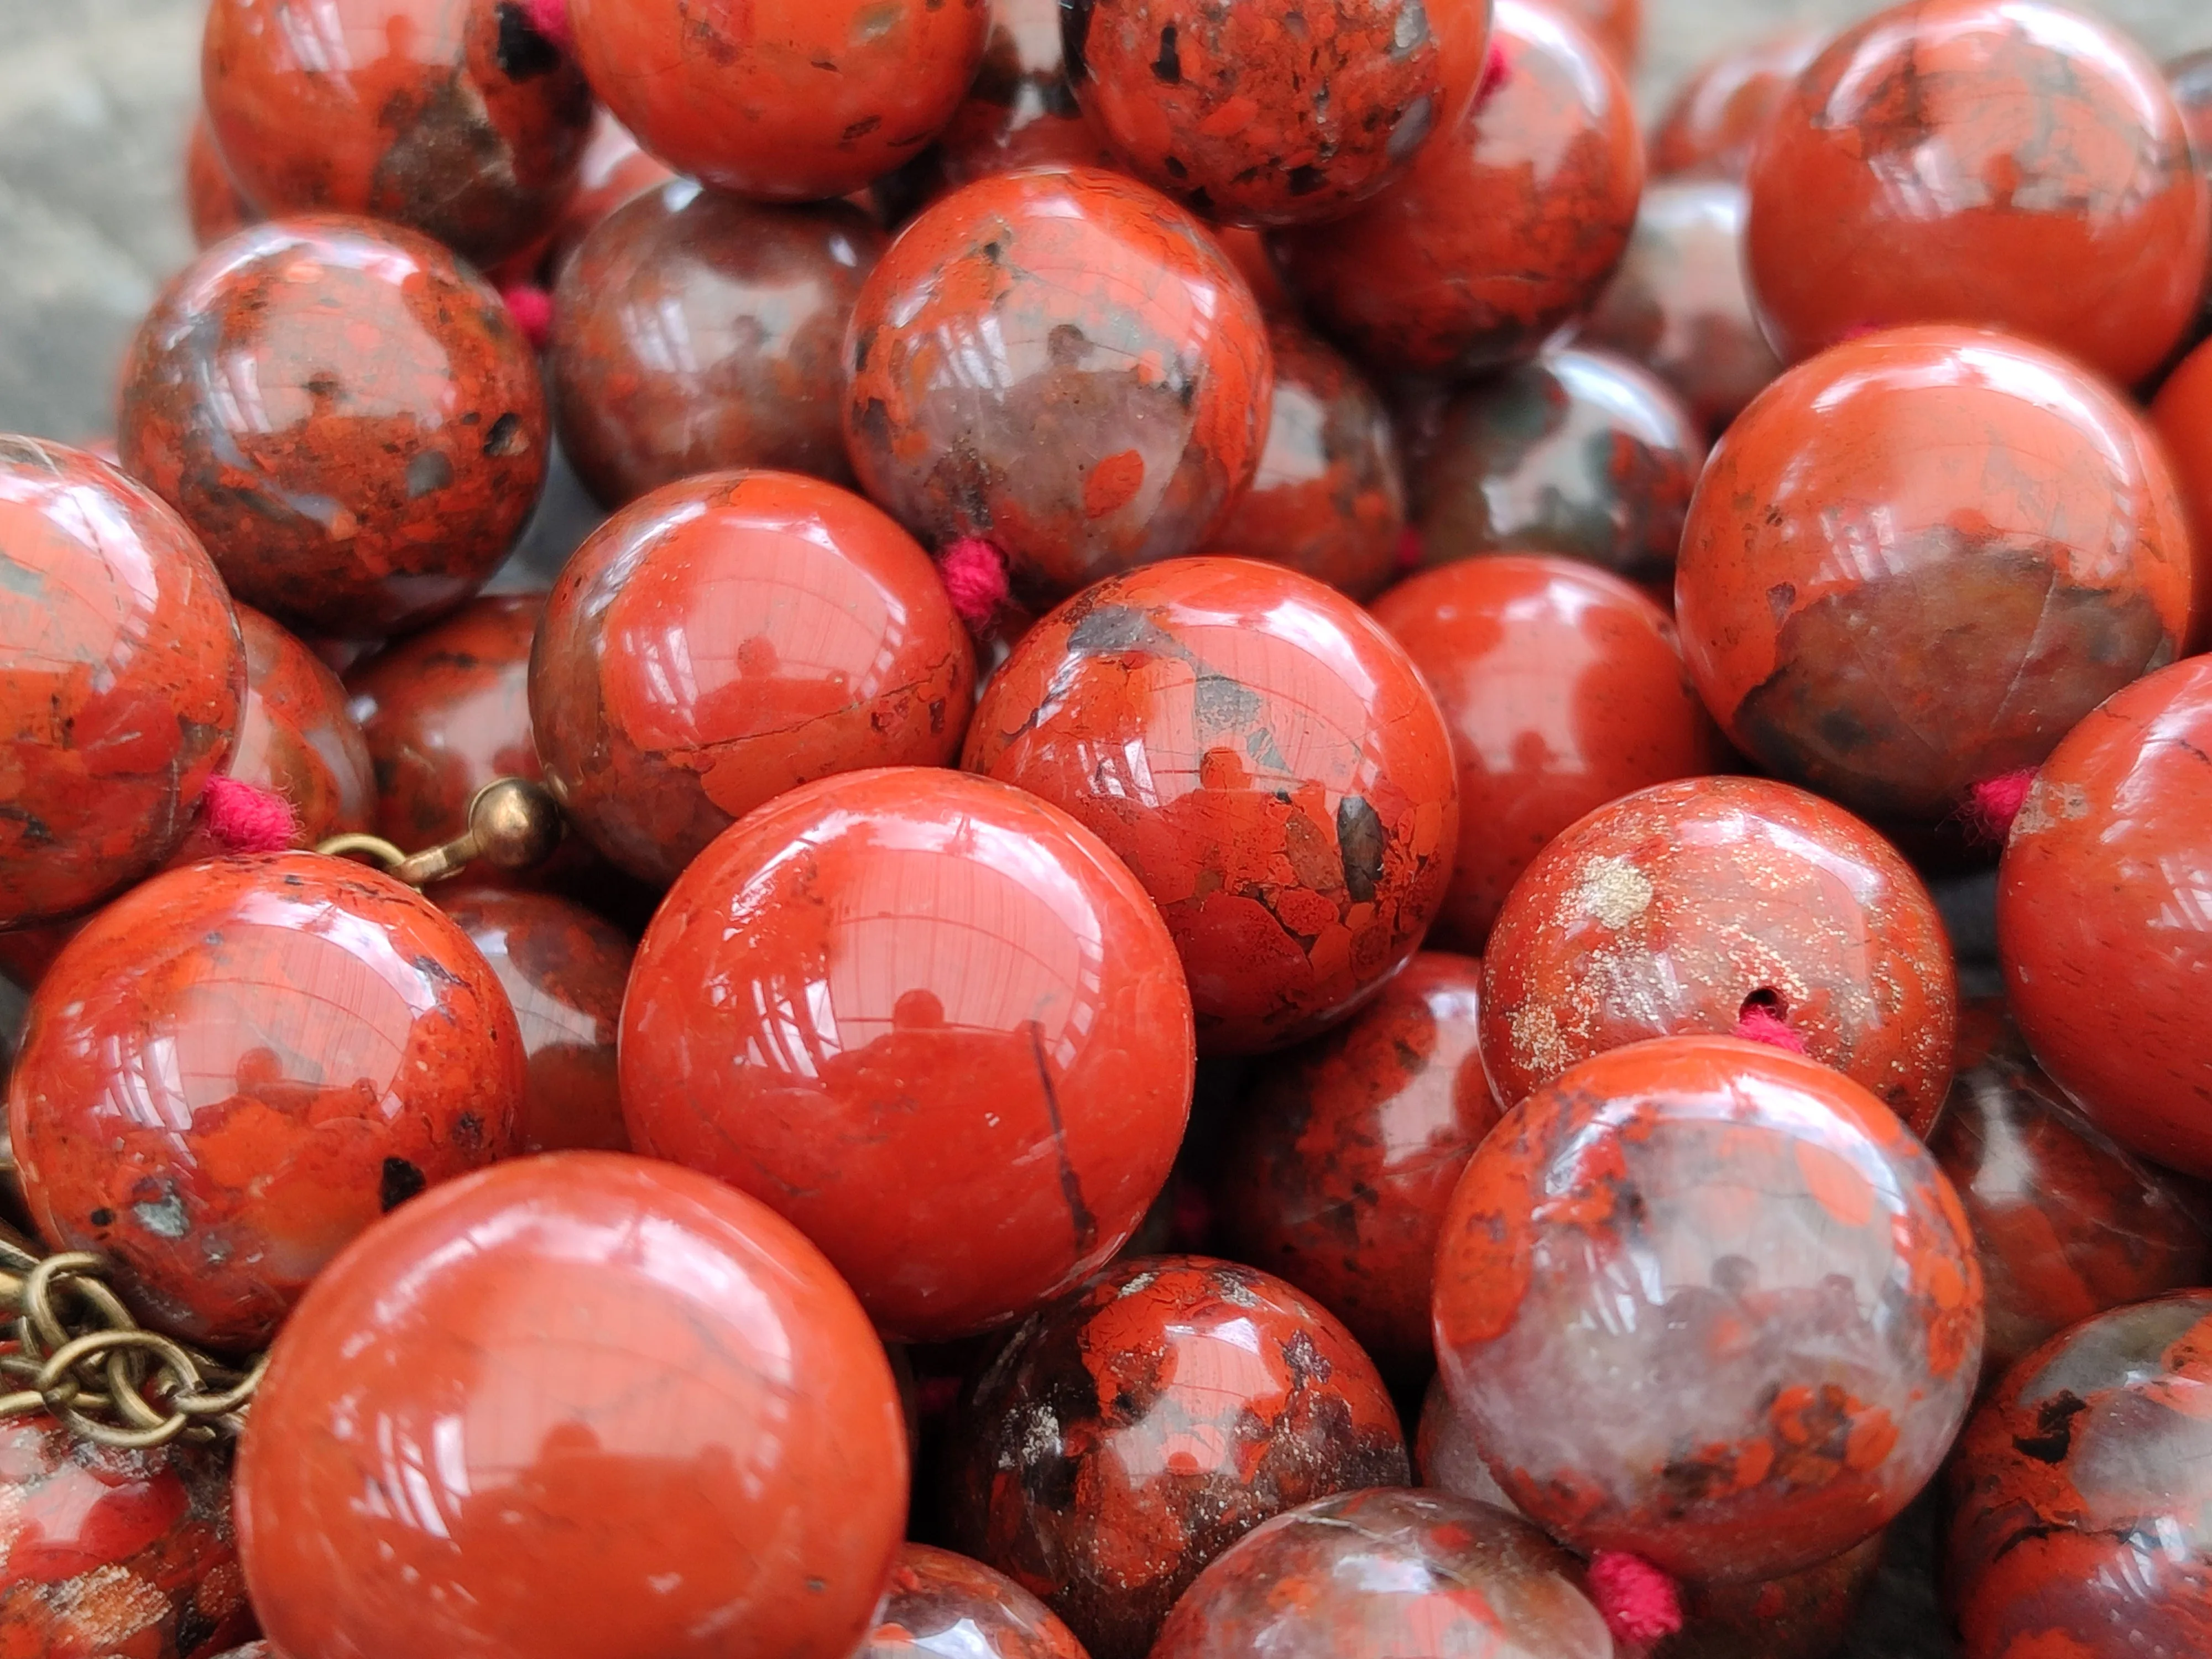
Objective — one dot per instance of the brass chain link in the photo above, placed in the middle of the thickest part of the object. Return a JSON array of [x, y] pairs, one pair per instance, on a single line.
[[80, 1356]]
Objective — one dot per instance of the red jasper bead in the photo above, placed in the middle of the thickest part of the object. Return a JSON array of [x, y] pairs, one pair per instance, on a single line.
[[1389, 1572], [1578, 453], [784, 101], [1020, 112], [1679, 305], [2093, 1445], [613, 170], [910, 981], [940, 1602], [1329, 498], [1063, 363], [727, 638], [2182, 413], [563, 970], [122, 677], [1345, 1153], [1507, 225], [2104, 938], [582, 1407], [1265, 759], [2053, 195], [2191, 79], [212, 200], [298, 737], [1775, 1304], [1129, 1434], [112, 1554], [1616, 25], [757, 298], [1713, 126], [1800, 1615], [235, 1067], [1680, 908], [1920, 558], [2068, 1224], [1267, 114], [1247, 251], [459, 121], [1563, 690], [445, 712], [394, 439], [1444, 1453]]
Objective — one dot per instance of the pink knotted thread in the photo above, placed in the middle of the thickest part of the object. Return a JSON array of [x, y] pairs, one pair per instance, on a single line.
[[1409, 550], [1994, 803], [550, 19], [1758, 1023], [1497, 70], [533, 309], [1637, 1601], [244, 818], [974, 576]]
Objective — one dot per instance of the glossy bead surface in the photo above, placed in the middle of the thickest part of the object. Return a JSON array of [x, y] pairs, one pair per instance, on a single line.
[[1506, 225], [1579, 453], [2094, 1442], [1714, 123], [1918, 559], [1389, 1571], [2068, 1223], [1616, 25], [459, 121], [298, 737], [112, 1554], [693, 331], [1263, 113], [2102, 930], [121, 679], [1762, 1301], [1345, 1153], [212, 201], [1445, 1457], [1811, 1615], [445, 711], [783, 100], [1263, 757], [911, 982], [1065, 363], [1019, 111], [729, 637], [1131, 1433], [582, 1407], [563, 970], [2053, 195], [1674, 910], [1679, 305], [236, 1067], [1329, 498], [394, 445], [2182, 413], [1562, 688], [613, 170], [941, 1605]]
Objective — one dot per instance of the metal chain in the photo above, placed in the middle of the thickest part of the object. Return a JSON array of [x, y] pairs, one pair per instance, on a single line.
[[78, 1356]]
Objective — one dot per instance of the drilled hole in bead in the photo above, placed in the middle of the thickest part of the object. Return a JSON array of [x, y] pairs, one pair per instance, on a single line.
[[1766, 1001]]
